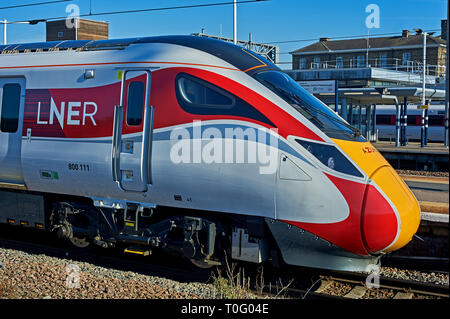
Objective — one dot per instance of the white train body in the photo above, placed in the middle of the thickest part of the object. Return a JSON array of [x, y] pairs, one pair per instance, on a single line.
[[436, 123], [103, 122]]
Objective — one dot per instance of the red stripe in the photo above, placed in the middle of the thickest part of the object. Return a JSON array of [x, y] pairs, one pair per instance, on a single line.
[[163, 98], [359, 233], [347, 233]]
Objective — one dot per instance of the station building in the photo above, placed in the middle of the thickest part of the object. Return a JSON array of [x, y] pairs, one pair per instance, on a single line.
[[400, 53], [355, 76]]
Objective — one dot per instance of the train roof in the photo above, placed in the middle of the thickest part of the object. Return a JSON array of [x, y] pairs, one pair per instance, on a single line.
[[241, 58]]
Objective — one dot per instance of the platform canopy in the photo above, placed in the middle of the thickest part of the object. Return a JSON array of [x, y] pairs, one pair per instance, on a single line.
[[383, 96]]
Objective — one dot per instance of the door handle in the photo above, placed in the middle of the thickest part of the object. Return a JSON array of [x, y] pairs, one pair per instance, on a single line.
[[116, 142], [147, 143]]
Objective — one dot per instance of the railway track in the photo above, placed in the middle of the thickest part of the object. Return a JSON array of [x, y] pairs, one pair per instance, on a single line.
[[430, 264], [330, 285], [343, 286], [389, 288]]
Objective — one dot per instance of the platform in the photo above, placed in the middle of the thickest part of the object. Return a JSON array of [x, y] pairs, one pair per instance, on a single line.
[[434, 156], [429, 189]]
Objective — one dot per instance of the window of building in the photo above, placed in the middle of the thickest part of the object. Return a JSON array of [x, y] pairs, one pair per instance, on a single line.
[[302, 63], [316, 64], [406, 57], [361, 61], [383, 61], [339, 62], [135, 104], [9, 121]]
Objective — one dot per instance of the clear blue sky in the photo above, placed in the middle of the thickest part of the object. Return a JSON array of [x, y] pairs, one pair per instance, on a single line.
[[275, 20]]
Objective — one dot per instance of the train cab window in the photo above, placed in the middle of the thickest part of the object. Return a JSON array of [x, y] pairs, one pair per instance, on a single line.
[[9, 120], [135, 103], [314, 110], [198, 93]]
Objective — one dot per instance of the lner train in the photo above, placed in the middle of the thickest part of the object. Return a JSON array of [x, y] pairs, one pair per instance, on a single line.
[[192, 146], [386, 120]]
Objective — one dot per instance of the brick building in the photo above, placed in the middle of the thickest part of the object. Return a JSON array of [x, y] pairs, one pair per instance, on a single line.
[[87, 30], [402, 53]]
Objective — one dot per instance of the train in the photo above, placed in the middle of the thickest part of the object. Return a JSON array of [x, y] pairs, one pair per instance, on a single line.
[[386, 116], [193, 147]]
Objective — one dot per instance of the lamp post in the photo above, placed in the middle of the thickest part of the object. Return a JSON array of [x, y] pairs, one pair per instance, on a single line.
[[234, 22], [423, 137], [5, 23]]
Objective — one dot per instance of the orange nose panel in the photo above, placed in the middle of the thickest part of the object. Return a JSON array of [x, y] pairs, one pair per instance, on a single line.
[[391, 213]]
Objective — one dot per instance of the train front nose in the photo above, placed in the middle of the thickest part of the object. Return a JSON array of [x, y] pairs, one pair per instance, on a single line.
[[390, 214], [388, 222]]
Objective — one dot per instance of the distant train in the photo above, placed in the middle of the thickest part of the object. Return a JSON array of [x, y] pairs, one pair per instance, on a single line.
[[96, 139], [386, 116]]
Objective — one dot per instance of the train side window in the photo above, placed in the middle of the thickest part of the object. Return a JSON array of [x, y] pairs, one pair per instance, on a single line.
[[436, 120], [135, 103], [9, 121], [197, 96], [197, 93], [383, 119], [412, 120]]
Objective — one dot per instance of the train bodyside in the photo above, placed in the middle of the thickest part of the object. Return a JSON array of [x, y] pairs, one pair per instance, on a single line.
[[436, 124], [95, 140]]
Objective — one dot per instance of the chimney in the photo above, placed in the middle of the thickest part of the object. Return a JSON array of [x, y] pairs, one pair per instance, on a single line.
[[418, 31], [405, 33], [324, 39], [444, 34]]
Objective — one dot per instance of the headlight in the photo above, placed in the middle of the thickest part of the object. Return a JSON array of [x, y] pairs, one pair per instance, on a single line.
[[331, 157]]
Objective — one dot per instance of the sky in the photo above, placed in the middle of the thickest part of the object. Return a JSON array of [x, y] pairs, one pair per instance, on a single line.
[[270, 21]]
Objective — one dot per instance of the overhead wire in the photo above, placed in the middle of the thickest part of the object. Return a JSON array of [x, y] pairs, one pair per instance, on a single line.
[[33, 4], [153, 9]]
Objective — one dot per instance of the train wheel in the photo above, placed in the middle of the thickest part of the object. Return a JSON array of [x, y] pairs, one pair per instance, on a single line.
[[79, 242], [201, 264]]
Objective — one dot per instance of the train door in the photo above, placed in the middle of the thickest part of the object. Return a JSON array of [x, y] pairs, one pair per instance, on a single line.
[[12, 96], [133, 131]]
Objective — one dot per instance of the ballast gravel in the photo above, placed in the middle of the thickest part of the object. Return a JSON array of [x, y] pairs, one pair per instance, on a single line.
[[28, 276], [438, 278], [38, 276]]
